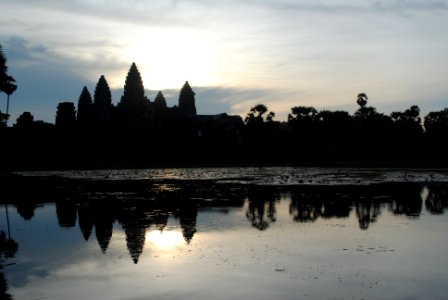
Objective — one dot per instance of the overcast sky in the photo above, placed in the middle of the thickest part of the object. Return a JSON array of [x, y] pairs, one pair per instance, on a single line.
[[234, 53]]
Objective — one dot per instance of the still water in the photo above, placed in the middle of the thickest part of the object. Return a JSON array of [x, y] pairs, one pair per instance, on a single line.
[[196, 240]]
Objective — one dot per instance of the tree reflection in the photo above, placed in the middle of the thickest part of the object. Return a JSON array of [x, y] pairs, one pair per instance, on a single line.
[[4, 288], [261, 200], [304, 209], [308, 205], [436, 200], [8, 249], [407, 201], [367, 212]]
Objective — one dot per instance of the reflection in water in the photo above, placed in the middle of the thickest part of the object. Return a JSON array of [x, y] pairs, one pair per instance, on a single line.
[[164, 239], [436, 199], [66, 212], [143, 212], [8, 249], [367, 212], [307, 204], [261, 200]]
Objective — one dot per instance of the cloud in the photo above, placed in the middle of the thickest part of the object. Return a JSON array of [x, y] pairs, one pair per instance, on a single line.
[[281, 53], [43, 79]]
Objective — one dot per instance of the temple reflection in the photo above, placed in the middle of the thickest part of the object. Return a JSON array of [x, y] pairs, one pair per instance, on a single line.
[[144, 212]]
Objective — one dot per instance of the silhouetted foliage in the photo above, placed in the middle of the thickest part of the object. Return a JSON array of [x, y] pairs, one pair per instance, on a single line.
[[25, 120], [259, 114], [362, 99], [3, 119], [7, 85], [261, 200], [436, 201], [367, 212], [260, 132], [8, 249], [436, 123], [3, 66], [436, 126], [302, 114]]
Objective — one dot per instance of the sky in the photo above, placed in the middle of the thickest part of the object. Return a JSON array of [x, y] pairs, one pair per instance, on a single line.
[[234, 53]]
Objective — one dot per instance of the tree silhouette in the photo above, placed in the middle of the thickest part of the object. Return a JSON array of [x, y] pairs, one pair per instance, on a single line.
[[371, 130], [3, 119], [410, 116], [365, 112], [25, 120], [407, 130], [7, 83], [303, 122], [260, 132], [436, 126], [333, 134], [84, 114], [436, 122], [9, 88], [259, 114], [302, 113], [8, 249], [362, 99], [3, 66]]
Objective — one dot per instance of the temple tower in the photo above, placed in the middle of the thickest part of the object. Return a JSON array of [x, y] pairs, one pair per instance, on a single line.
[[187, 106]]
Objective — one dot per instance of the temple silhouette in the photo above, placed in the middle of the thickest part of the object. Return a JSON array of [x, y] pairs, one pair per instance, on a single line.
[[138, 132], [134, 110]]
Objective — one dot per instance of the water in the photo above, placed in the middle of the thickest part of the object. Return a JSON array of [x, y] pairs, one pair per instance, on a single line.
[[226, 239]]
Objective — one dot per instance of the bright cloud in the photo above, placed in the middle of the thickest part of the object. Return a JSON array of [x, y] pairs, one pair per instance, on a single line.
[[281, 53]]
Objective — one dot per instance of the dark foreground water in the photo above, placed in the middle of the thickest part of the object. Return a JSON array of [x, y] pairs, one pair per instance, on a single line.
[[229, 237]]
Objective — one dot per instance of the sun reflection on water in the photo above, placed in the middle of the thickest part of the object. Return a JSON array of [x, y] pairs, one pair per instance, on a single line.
[[164, 239]]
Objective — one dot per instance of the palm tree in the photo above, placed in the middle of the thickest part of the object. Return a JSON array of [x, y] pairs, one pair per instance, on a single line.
[[9, 88]]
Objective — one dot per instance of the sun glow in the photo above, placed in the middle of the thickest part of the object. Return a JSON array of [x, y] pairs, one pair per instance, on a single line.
[[164, 239], [168, 58]]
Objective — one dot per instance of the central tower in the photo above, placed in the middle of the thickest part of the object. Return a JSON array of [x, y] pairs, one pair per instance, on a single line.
[[187, 106]]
